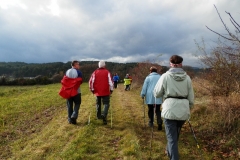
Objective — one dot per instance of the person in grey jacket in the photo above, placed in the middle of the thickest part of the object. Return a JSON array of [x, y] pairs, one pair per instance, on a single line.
[[176, 88], [147, 92]]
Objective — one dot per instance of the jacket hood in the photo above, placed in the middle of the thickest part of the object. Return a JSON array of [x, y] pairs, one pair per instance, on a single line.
[[177, 74]]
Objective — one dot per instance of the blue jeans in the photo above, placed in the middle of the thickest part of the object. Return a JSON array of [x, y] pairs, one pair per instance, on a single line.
[[73, 111], [173, 128]]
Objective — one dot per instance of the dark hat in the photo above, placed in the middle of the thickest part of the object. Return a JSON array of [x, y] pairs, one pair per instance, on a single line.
[[153, 69]]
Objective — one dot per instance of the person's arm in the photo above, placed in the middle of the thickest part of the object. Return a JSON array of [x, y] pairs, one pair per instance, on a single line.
[[159, 90], [110, 82], [91, 82], [190, 93], [79, 73], [144, 88]]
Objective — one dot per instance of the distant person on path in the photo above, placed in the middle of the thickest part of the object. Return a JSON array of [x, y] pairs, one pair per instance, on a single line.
[[101, 85], [127, 82], [176, 88], [147, 92], [115, 80], [71, 91], [130, 77]]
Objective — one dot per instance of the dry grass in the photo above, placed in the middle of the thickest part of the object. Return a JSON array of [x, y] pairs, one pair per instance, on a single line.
[[218, 121], [44, 133]]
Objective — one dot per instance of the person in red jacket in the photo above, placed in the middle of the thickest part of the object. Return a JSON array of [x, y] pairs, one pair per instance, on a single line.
[[71, 91], [100, 84]]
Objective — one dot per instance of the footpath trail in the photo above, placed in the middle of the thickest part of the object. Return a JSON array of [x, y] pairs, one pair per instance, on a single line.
[[127, 138]]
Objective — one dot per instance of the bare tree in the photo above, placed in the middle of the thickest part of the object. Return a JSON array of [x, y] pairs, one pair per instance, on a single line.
[[231, 36], [223, 61]]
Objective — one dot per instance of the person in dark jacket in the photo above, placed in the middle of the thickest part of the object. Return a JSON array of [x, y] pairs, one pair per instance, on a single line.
[[71, 91], [101, 85]]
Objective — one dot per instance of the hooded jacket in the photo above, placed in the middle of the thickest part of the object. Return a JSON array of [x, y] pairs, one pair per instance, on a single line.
[[176, 88], [147, 89], [101, 82], [69, 87]]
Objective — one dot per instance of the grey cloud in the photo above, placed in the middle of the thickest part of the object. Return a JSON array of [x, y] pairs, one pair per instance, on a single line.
[[111, 30]]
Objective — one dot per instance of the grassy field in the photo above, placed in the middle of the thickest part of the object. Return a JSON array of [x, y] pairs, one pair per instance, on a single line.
[[33, 125]]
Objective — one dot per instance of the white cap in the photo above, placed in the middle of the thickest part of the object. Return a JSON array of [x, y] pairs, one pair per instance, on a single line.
[[101, 64]]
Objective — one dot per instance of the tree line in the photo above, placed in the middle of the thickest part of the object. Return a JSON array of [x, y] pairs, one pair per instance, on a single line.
[[20, 73]]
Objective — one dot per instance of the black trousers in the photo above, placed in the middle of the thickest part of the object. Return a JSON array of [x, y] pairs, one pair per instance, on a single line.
[[151, 113], [115, 84]]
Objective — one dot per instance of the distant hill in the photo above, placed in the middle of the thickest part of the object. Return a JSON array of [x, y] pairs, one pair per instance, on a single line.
[[21, 69], [29, 70]]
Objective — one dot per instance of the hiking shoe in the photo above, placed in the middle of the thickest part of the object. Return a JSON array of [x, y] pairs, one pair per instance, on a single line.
[[159, 127], [73, 121], [99, 117], [150, 124], [104, 120]]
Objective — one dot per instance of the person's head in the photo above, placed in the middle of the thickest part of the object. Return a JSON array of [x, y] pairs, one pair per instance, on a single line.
[[75, 64], [101, 64], [153, 69], [176, 61]]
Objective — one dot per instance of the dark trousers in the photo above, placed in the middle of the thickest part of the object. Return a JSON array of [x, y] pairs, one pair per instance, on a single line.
[[127, 87], [173, 128], [105, 100], [115, 84], [151, 113], [73, 110]]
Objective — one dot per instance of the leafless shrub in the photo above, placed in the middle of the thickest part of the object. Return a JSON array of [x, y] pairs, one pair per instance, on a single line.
[[221, 79], [142, 69]]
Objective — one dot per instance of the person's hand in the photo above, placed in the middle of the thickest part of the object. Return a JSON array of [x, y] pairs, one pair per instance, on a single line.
[[92, 91], [111, 91]]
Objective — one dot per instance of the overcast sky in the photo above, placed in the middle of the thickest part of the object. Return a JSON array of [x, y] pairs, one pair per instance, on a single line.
[[40, 31]]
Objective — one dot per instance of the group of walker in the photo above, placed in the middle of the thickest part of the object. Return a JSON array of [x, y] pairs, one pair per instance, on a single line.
[[172, 90]]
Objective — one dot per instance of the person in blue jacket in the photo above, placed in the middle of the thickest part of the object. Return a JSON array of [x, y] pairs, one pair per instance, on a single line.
[[147, 93], [115, 80]]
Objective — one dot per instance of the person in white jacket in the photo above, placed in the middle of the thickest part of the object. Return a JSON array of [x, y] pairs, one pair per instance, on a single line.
[[175, 86], [152, 102]]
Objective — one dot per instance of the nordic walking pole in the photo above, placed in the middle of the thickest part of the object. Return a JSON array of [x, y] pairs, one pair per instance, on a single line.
[[151, 137], [144, 113], [152, 129], [111, 116], [89, 117], [195, 138]]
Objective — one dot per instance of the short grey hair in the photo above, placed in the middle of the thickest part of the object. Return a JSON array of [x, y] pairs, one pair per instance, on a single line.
[[101, 64]]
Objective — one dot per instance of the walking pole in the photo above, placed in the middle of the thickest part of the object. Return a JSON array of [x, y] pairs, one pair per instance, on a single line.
[[195, 138], [111, 116], [144, 113], [152, 129], [151, 137], [89, 117], [111, 113]]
